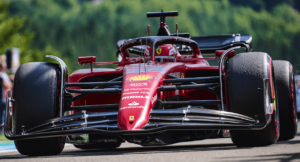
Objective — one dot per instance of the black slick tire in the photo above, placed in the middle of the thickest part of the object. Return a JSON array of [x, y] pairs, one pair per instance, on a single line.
[[246, 75], [36, 100], [286, 99]]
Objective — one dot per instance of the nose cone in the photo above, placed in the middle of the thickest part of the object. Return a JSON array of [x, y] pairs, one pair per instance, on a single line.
[[139, 94], [126, 124], [135, 104], [133, 117]]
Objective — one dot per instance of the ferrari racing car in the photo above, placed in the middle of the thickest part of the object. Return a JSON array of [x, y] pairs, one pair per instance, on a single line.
[[163, 91]]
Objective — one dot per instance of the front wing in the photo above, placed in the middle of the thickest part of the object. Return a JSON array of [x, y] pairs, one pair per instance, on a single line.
[[105, 123]]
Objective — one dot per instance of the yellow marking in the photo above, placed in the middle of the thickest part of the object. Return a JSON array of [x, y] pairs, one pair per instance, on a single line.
[[151, 143], [140, 78], [131, 117], [158, 50]]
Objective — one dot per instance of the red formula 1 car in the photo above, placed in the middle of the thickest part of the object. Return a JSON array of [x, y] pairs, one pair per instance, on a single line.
[[167, 93]]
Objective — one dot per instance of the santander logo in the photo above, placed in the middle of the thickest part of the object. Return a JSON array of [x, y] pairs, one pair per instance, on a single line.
[[138, 84], [133, 103]]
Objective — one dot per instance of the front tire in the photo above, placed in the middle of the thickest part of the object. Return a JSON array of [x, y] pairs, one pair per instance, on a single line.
[[36, 96], [247, 82]]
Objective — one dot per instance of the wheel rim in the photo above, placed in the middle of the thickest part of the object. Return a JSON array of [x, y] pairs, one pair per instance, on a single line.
[[268, 104]]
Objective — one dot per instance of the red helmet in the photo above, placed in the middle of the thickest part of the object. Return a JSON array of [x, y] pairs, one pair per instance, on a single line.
[[163, 53]]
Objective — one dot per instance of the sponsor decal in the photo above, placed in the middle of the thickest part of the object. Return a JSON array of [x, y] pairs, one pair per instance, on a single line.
[[136, 89], [177, 74], [128, 93], [172, 52], [134, 60], [158, 51], [154, 99], [131, 107], [139, 89], [177, 92], [131, 117], [141, 78], [133, 103], [134, 97], [138, 84], [147, 51]]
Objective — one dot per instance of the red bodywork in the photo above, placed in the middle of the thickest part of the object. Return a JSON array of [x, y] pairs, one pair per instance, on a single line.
[[140, 82]]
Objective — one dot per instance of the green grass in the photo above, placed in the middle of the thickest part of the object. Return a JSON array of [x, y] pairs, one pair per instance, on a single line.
[[2, 137]]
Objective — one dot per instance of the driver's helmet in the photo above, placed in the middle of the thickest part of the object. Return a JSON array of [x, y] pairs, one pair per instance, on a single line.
[[163, 53]]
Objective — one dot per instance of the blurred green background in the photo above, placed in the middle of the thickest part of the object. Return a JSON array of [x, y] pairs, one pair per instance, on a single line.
[[72, 28]]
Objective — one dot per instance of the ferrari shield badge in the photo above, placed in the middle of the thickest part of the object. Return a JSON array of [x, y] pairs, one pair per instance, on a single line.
[[131, 117], [158, 50]]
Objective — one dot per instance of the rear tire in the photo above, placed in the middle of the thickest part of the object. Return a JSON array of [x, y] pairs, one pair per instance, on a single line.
[[286, 99], [245, 74], [36, 90]]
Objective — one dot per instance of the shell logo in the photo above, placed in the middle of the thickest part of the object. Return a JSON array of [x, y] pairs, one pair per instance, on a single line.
[[140, 78]]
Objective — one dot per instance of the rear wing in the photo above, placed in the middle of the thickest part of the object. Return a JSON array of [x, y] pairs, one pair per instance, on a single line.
[[210, 44]]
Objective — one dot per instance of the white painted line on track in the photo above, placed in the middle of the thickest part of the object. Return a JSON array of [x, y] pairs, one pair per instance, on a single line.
[[8, 151]]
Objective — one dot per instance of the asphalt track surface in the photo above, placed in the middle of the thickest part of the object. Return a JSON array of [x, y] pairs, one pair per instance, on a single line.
[[206, 150]]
